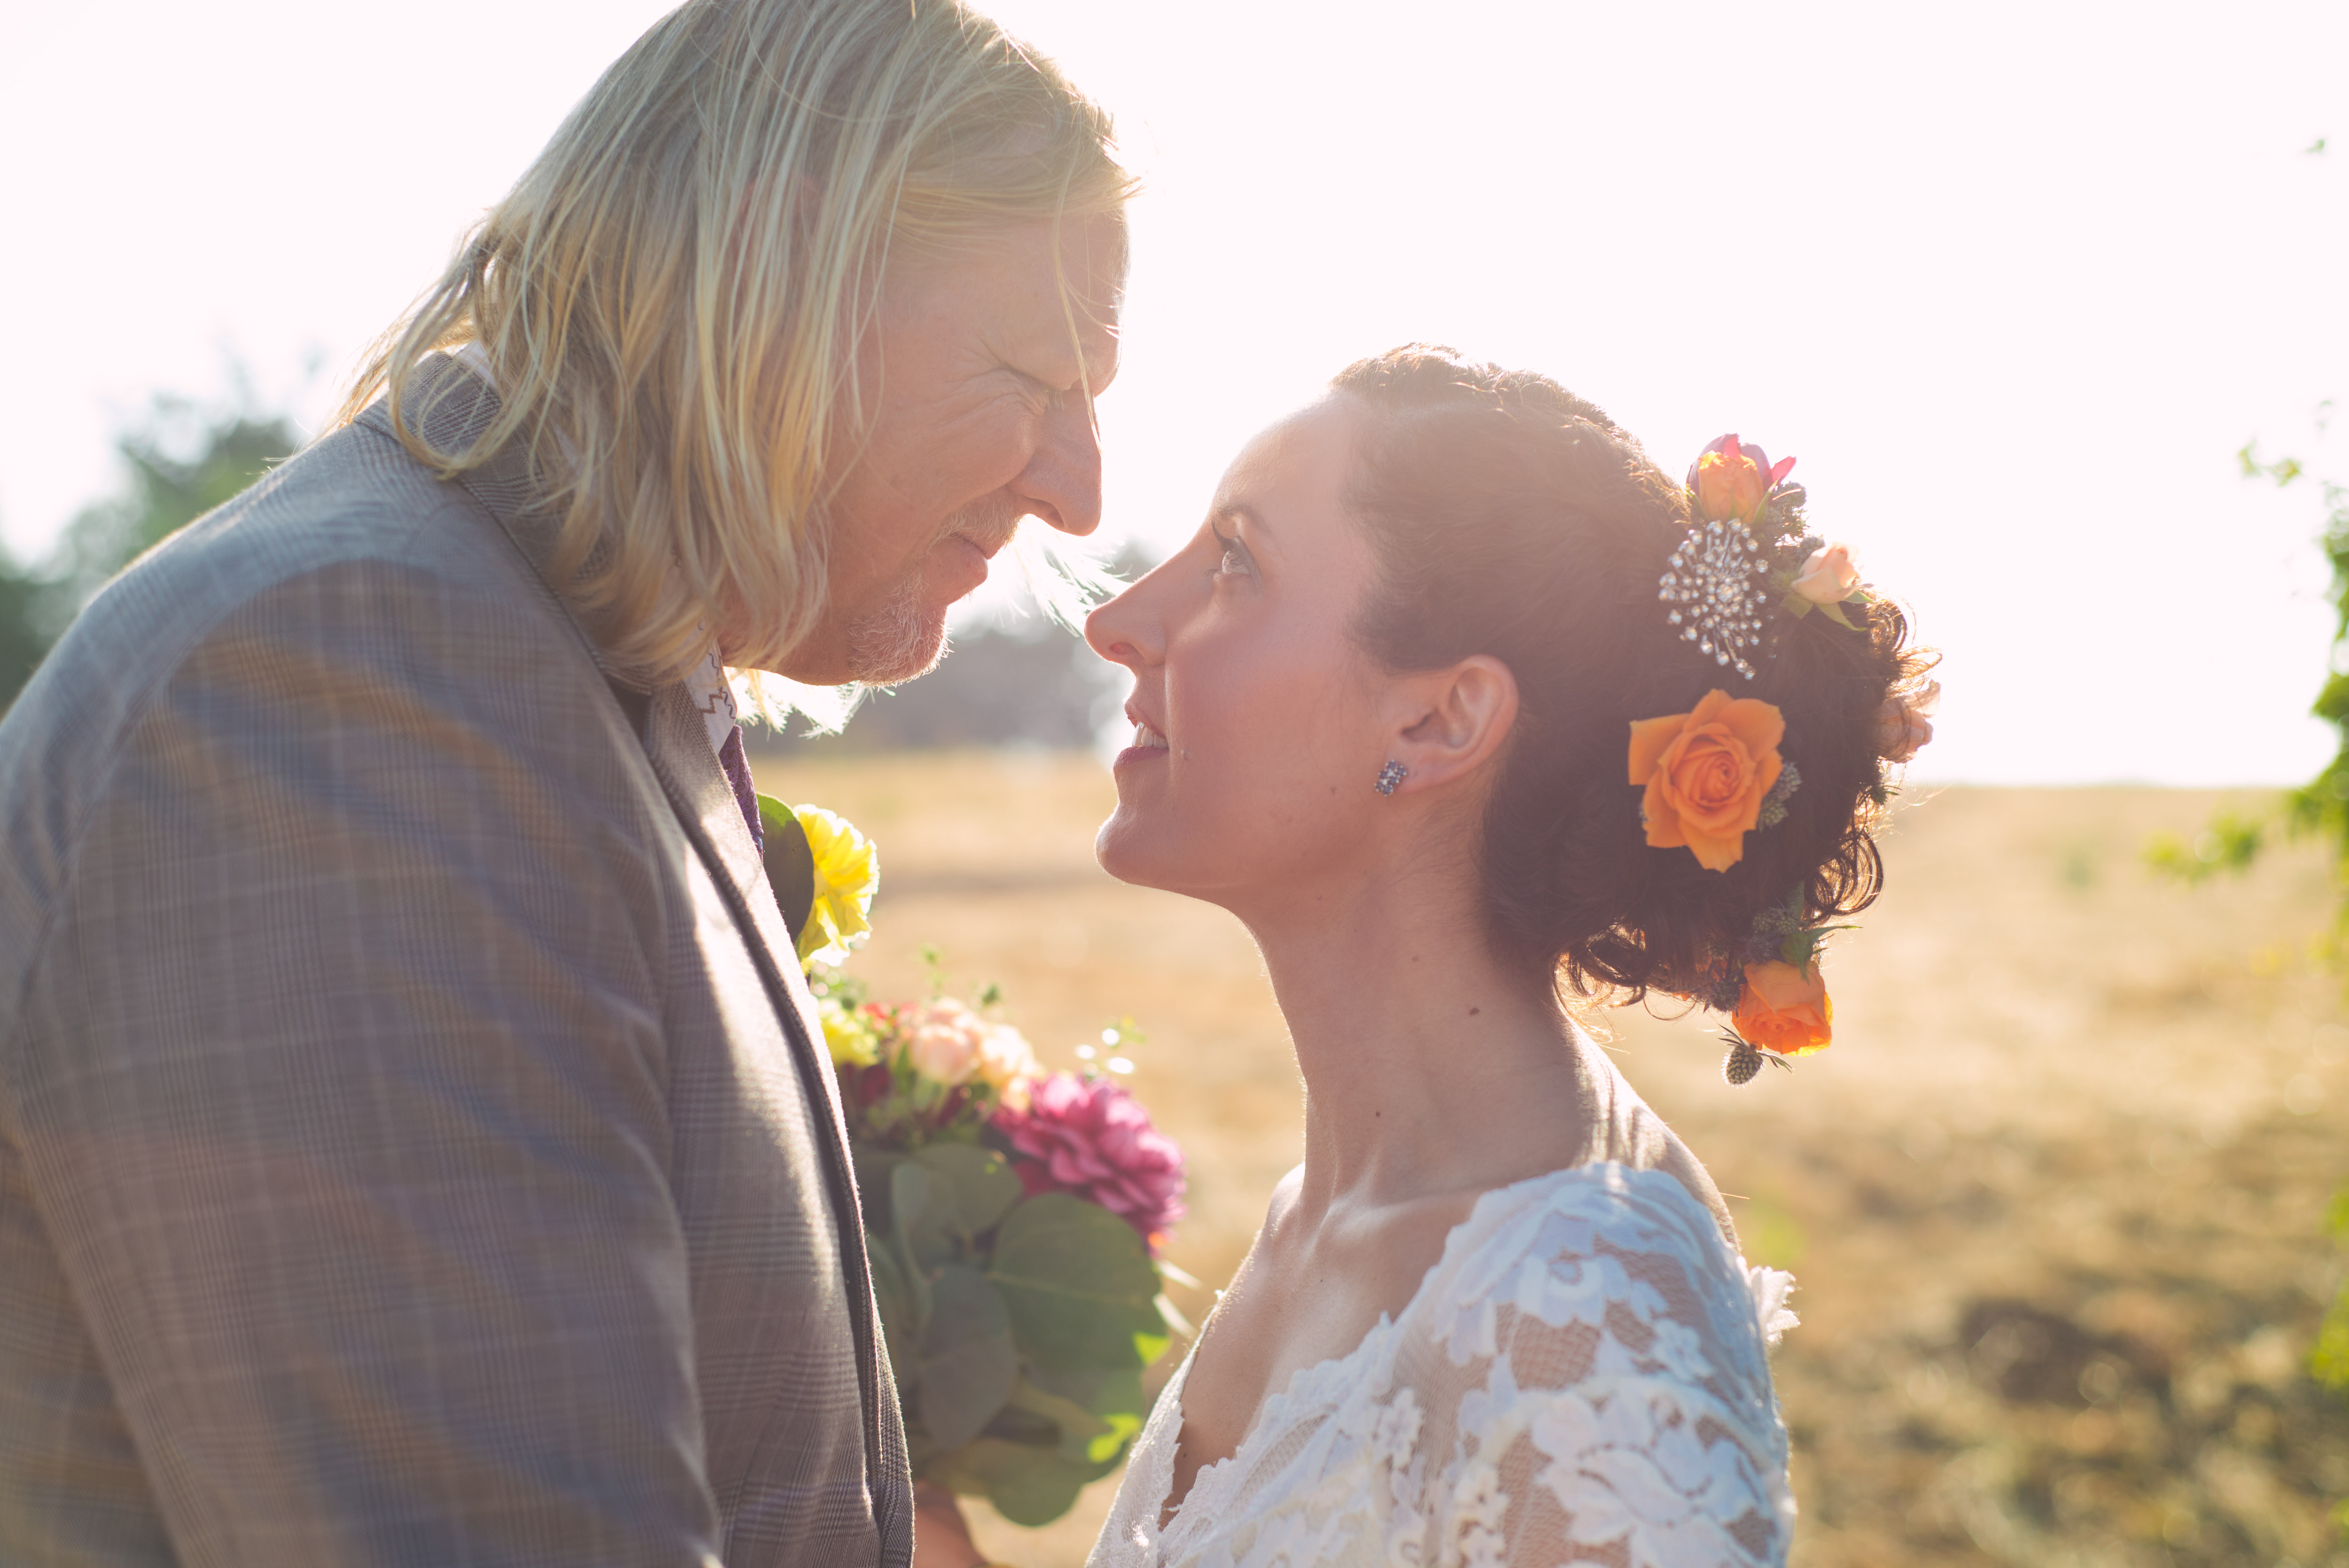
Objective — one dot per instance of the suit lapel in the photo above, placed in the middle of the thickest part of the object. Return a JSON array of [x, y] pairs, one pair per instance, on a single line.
[[678, 748]]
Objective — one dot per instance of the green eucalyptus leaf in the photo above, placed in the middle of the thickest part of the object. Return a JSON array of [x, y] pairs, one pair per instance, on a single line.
[[978, 1180], [924, 1208], [1101, 1391], [968, 1364], [1086, 1436], [1080, 1285], [1029, 1486]]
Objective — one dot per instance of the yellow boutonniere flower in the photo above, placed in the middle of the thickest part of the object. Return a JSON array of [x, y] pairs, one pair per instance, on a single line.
[[847, 872]]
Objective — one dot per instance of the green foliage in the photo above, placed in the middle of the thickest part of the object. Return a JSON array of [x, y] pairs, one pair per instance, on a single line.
[[1082, 1293], [25, 598], [2230, 843], [1019, 1327], [2328, 1359], [223, 453], [2320, 808]]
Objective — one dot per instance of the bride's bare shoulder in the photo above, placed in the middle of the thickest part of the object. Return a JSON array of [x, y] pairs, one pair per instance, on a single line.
[[1631, 1134]]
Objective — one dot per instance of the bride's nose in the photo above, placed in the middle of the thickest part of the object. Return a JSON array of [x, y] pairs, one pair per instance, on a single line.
[[1124, 632]]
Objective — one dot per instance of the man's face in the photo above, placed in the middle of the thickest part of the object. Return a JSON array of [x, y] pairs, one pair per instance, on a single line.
[[981, 418]]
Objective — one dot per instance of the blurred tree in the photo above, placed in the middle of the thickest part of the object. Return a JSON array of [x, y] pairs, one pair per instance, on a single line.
[[2232, 842], [180, 458], [22, 596], [181, 461]]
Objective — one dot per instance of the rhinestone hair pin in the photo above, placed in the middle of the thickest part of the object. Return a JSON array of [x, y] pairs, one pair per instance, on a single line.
[[1715, 585], [1717, 582]]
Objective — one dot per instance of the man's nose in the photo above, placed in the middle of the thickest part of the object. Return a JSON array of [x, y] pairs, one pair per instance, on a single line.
[[1062, 482]]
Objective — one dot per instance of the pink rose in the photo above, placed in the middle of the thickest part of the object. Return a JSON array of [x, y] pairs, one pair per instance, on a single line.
[[1903, 724], [1093, 1140], [1828, 577]]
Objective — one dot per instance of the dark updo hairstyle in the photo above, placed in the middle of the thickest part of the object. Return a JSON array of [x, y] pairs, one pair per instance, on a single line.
[[1509, 518]]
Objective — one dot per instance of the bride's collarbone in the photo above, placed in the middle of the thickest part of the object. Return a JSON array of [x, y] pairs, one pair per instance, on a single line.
[[1306, 1296]]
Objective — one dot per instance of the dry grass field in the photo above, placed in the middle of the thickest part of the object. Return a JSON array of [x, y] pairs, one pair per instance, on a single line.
[[2054, 1197]]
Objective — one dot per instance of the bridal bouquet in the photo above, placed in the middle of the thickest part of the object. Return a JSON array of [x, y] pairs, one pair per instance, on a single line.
[[1014, 1218]]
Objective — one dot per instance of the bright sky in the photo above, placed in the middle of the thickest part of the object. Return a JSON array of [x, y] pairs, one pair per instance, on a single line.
[[2013, 281]]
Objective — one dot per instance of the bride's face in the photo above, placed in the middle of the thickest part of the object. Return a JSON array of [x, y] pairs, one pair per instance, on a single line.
[[1257, 736]]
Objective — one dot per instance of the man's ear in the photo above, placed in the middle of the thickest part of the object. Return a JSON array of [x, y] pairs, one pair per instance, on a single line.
[[1456, 720]]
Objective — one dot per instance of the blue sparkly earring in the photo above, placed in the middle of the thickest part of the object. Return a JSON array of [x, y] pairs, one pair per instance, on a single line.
[[1392, 774]]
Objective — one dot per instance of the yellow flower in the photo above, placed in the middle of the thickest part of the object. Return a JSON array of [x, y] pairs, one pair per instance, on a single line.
[[847, 871], [848, 1033]]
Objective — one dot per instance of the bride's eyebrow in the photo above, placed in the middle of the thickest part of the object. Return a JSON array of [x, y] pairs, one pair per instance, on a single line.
[[1240, 512]]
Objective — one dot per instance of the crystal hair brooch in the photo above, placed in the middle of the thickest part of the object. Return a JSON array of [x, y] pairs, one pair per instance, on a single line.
[[1718, 580], [1715, 587]]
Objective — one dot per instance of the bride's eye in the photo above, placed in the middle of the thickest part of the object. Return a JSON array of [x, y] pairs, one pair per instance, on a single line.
[[1233, 560]]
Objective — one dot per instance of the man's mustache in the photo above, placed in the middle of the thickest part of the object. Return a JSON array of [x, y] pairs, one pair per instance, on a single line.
[[988, 524]]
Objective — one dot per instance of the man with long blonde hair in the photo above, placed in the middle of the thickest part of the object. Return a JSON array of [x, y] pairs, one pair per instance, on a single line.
[[415, 1146]]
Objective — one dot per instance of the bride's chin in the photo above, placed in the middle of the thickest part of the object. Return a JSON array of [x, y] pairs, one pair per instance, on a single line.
[[1120, 849]]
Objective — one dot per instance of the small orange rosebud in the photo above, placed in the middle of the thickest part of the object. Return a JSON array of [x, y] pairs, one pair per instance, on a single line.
[[1729, 484], [1785, 1009]]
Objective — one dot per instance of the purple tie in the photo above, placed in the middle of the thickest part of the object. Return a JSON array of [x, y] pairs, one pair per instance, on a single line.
[[738, 773]]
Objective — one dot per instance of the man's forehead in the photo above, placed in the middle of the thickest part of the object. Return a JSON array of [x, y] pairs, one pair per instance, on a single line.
[[1081, 289]]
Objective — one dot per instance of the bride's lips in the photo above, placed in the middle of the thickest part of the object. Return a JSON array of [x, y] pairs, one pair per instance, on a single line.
[[1149, 742]]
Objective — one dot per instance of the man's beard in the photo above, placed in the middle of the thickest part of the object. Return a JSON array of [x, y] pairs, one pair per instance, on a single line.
[[903, 638], [898, 639]]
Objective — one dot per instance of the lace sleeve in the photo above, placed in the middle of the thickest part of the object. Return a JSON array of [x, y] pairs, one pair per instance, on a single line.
[[1590, 1385]]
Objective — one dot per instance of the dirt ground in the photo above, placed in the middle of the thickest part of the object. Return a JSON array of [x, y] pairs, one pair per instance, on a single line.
[[2055, 1198]]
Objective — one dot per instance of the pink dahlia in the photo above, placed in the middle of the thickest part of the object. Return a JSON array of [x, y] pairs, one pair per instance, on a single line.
[[1093, 1140]]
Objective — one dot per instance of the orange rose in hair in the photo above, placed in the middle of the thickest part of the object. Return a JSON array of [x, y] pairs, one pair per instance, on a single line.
[[1785, 1009], [1706, 773]]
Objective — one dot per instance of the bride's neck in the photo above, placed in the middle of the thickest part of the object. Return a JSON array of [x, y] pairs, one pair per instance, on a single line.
[[1430, 1066]]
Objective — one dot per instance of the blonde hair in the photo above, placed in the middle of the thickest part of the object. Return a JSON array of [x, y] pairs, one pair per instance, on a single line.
[[672, 296]]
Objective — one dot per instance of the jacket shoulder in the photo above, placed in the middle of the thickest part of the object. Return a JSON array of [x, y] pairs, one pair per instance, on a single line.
[[350, 558]]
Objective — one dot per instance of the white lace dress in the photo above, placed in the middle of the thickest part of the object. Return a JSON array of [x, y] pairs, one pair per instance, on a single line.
[[1581, 1378]]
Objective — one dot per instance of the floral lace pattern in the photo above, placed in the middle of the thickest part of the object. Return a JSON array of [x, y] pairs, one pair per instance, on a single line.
[[1581, 1378]]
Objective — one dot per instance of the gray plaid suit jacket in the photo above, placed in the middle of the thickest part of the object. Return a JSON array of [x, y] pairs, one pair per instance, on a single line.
[[414, 1144]]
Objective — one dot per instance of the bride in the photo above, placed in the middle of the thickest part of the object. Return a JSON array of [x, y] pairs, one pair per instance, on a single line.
[[1413, 708]]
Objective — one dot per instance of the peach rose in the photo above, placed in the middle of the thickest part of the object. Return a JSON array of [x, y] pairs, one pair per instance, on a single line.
[[1706, 772], [946, 1041], [1904, 725], [1828, 577], [1785, 1009]]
